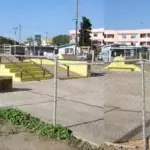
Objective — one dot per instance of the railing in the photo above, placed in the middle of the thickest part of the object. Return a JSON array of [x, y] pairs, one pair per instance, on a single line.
[[21, 69], [44, 69], [68, 70]]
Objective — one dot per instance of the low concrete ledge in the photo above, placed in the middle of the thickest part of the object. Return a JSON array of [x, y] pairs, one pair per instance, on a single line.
[[6, 84]]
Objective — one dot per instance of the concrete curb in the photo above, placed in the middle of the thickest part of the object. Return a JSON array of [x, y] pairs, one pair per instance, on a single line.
[[85, 140], [107, 143], [120, 145]]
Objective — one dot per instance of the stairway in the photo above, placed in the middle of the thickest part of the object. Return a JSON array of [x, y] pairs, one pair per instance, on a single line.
[[27, 71], [7, 58]]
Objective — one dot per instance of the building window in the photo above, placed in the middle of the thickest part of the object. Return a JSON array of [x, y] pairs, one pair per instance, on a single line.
[[110, 35], [133, 35], [143, 35], [69, 51], [95, 35], [110, 43], [148, 35], [142, 43], [124, 36], [66, 50]]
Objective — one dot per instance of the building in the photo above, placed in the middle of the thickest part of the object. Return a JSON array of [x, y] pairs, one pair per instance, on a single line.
[[104, 37], [46, 42], [68, 49], [108, 52]]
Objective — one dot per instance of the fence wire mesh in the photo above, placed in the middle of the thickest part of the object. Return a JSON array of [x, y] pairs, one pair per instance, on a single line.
[[104, 106]]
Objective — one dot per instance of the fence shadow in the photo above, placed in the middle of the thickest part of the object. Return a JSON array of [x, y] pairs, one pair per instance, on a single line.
[[133, 133]]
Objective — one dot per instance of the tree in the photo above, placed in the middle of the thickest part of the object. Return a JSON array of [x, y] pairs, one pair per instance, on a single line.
[[84, 35], [5, 40], [60, 40], [30, 40]]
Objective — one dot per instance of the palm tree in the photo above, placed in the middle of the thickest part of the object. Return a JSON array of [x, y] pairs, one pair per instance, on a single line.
[[30, 41]]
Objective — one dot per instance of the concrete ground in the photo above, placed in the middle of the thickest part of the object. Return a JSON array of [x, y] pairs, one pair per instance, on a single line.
[[123, 101], [105, 108], [80, 104]]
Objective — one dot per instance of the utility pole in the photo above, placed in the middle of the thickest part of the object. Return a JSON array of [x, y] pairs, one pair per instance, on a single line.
[[20, 30], [15, 33], [46, 37], [76, 34]]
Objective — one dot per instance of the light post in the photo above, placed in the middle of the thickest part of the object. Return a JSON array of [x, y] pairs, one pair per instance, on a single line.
[[15, 33], [20, 30], [76, 31], [46, 37]]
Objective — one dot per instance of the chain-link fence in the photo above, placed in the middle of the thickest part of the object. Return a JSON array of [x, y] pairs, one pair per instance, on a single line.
[[100, 101]]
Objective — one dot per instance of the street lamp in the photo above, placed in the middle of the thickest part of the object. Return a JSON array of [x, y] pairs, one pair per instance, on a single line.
[[15, 33], [76, 32], [46, 38]]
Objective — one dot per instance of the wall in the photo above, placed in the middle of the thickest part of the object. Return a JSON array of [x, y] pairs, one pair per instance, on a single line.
[[62, 50], [81, 70], [6, 72]]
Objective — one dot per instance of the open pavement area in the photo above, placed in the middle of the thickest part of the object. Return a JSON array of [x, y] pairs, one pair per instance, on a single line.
[[99, 109]]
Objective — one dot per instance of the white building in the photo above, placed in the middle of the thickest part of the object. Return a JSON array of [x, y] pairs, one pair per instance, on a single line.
[[68, 49], [96, 35], [104, 37]]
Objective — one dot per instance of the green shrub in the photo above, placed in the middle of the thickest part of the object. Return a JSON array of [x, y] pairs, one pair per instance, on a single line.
[[35, 125]]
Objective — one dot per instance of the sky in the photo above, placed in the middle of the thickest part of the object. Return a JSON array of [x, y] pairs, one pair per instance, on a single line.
[[126, 14], [56, 16], [52, 16]]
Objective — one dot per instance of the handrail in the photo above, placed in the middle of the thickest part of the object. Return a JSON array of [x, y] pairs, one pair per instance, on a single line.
[[68, 69], [22, 69], [44, 69]]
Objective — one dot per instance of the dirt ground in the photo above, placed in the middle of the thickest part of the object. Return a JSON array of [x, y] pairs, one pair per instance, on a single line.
[[14, 138]]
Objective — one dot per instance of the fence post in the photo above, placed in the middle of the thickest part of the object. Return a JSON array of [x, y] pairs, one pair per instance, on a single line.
[[68, 74], [41, 61], [143, 107], [93, 54], [55, 91]]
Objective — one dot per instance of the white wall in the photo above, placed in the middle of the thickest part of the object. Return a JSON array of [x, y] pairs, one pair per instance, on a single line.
[[63, 49]]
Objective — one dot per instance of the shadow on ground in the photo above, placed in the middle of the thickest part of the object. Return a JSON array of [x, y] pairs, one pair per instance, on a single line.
[[15, 90], [20, 89], [97, 74]]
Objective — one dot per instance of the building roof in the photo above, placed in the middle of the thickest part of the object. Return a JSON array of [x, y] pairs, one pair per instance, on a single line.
[[66, 45]]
